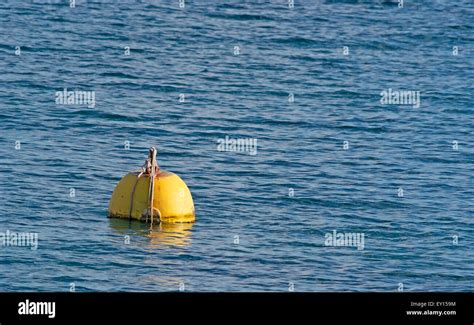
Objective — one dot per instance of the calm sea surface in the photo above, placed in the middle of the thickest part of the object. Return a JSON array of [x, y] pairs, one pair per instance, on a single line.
[[404, 179]]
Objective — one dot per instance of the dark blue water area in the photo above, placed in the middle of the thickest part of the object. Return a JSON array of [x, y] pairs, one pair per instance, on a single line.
[[334, 159]]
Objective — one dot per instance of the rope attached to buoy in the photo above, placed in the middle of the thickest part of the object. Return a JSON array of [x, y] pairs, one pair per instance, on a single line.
[[149, 168], [152, 181], [153, 172]]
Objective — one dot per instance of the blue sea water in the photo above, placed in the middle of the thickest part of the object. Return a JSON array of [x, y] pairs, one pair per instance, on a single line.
[[261, 219]]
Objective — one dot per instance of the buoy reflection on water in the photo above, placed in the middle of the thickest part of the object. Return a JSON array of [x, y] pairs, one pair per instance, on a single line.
[[162, 234]]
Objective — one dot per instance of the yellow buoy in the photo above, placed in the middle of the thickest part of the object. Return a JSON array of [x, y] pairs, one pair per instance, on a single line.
[[152, 195]]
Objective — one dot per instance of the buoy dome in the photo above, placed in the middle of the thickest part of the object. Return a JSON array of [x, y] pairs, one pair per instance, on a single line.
[[172, 200]]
